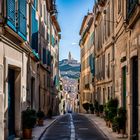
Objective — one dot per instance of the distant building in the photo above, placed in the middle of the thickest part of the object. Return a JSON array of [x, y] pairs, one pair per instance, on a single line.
[[87, 74], [69, 67], [70, 56]]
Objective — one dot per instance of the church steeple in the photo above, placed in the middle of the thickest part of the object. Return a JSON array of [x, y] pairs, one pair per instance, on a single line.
[[69, 57]]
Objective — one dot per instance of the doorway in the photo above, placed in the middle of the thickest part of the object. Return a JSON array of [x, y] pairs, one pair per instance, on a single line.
[[135, 98], [11, 104], [124, 87], [32, 91]]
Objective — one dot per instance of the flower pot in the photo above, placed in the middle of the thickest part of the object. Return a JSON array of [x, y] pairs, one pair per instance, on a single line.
[[106, 123], [27, 133], [122, 131], [101, 115], [40, 122], [118, 131], [97, 114], [109, 124]]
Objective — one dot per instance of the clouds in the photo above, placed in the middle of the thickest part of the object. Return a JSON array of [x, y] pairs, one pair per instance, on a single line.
[[74, 43]]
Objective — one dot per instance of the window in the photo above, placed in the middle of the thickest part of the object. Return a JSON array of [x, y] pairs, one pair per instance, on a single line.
[[44, 56], [103, 65], [16, 16], [119, 6], [108, 20], [53, 41], [108, 93], [130, 6], [109, 65], [34, 30]]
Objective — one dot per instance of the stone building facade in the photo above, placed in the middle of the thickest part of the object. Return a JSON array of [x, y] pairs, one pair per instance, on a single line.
[[25, 60], [116, 42], [87, 60], [104, 51]]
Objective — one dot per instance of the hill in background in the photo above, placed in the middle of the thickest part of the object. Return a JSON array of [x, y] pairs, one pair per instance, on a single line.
[[69, 67]]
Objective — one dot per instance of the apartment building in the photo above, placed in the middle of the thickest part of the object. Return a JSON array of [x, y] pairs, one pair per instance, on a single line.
[[127, 41], [116, 51], [87, 60], [14, 51], [25, 60]]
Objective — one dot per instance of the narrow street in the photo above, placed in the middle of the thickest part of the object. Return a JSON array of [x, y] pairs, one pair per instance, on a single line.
[[73, 127]]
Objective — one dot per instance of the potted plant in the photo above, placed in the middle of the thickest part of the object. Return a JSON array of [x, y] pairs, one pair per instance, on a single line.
[[112, 106], [86, 106], [91, 108], [96, 104], [122, 120], [28, 122], [115, 124], [101, 108], [40, 116], [106, 115], [49, 114]]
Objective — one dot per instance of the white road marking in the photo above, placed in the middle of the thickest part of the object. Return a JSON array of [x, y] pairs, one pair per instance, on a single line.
[[72, 137], [83, 128]]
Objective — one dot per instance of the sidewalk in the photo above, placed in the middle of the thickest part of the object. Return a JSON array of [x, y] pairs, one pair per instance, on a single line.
[[101, 125], [39, 130]]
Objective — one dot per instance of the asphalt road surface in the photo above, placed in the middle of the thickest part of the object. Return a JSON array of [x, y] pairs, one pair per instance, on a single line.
[[73, 127]]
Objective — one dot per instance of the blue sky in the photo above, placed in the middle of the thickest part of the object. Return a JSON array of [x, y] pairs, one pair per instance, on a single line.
[[70, 16]]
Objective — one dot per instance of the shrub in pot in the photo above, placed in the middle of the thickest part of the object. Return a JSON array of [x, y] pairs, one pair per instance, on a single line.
[[112, 107], [96, 104], [49, 114], [91, 108], [122, 119], [115, 124], [110, 117], [28, 122], [86, 106], [40, 116], [113, 103], [122, 112], [101, 109], [106, 115]]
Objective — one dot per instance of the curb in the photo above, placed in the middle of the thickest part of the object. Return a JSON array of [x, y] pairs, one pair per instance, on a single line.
[[47, 128], [98, 128]]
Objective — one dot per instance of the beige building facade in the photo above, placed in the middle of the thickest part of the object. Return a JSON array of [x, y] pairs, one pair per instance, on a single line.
[[116, 51], [25, 61], [87, 60]]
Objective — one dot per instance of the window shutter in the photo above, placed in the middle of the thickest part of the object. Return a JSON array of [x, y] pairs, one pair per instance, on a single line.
[[44, 56], [22, 18], [11, 19], [34, 31]]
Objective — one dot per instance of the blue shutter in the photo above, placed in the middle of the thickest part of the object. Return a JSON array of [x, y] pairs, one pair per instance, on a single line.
[[35, 4], [44, 56], [92, 64], [53, 41], [22, 24], [34, 31], [48, 58], [11, 19]]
